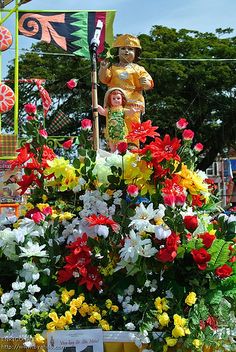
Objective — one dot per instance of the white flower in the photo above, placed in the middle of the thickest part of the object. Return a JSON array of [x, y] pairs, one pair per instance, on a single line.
[[33, 250], [33, 289], [29, 272], [130, 326], [4, 318], [102, 231], [17, 286], [11, 312], [162, 232], [6, 297], [141, 220]]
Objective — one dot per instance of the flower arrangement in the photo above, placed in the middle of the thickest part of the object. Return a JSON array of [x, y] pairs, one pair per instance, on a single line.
[[130, 241]]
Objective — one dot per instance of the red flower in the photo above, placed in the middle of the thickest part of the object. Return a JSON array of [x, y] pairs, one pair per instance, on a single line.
[[43, 133], [67, 144], [122, 147], [201, 257], [72, 83], [103, 220], [140, 131], [164, 255], [198, 147], [212, 322], [47, 211], [64, 275], [207, 239], [86, 124], [132, 190], [92, 279], [182, 123], [37, 217], [191, 222], [223, 271], [188, 135], [30, 118], [24, 155], [30, 108], [27, 181], [196, 200], [169, 199], [165, 149]]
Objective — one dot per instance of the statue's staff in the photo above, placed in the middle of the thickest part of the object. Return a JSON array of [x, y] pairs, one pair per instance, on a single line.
[[93, 52]]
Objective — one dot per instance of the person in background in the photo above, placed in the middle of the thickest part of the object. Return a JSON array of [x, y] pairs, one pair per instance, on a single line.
[[127, 75]]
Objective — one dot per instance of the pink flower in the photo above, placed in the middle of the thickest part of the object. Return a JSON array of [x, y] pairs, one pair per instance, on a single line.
[[30, 118], [37, 217], [30, 108], [72, 83], [67, 144], [198, 147], [122, 147], [188, 135], [47, 211], [132, 190], [86, 124], [43, 133], [181, 124]]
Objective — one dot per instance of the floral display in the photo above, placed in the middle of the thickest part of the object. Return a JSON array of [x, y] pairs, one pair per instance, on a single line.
[[131, 241]]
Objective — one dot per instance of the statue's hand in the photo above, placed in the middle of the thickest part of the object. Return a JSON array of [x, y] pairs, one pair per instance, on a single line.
[[145, 83], [104, 64]]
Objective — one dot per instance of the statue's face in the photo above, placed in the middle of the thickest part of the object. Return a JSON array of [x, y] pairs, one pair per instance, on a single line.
[[116, 99], [126, 54]]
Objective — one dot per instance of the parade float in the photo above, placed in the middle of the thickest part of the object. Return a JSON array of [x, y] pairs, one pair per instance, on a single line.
[[132, 244]]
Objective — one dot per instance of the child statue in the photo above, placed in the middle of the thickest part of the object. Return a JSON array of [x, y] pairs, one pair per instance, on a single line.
[[128, 75], [115, 112]]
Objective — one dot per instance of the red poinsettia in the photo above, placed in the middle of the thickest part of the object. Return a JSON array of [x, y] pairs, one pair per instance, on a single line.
[[24, 154], [165, 149], [140, 131], [92, 279], [27, 181], [103, 220], [172, 190]]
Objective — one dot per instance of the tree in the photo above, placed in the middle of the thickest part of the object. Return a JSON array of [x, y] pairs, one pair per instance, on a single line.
[[201, 91]]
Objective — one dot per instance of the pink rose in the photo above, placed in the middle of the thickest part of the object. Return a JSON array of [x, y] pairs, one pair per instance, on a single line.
[[72, 83], [181, 124], [188, 135], [67, 144], [86, 124], [169, 199], [43, 133], [30, 108], [198, 147], [30, 118], [37, 217], [132, 190]]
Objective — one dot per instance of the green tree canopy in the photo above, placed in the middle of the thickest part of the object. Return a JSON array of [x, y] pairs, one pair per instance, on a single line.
[[201, 91]]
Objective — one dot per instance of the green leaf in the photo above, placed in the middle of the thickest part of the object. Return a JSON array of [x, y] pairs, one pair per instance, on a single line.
[[219, 252]]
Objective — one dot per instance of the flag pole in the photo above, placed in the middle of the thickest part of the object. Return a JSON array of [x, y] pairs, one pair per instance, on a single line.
[[93, 52]]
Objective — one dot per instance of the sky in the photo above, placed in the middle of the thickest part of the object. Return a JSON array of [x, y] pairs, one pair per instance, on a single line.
[[138, 16]]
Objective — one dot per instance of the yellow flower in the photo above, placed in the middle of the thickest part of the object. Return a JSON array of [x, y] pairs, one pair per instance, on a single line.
[[178, 331], [191, 299], [104, 325], [108, 303], [114, 308], [178, 320], [53, 316], [170, 341], [44, 198], [42, 206], [197, 343], [39, 340], [164, 319], [68, 317], [65, 296], [62, 322], [161, 304], [192, 181], [51, 326], [84, 309], [66, 216]]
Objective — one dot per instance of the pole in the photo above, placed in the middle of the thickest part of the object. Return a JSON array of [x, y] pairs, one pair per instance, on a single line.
[[95, 100], [93, 52]]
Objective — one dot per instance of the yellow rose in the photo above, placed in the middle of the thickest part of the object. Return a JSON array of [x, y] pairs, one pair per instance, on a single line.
[[178, 331], [197, 343], [39, 340], [170, 341], [164, 319], [191, 299], [178, 320], [114, 308]]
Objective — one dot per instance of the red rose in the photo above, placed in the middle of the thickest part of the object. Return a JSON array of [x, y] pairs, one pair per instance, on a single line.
[[223, 271], [165, 255], [198, 147], [181, 124], [86, 124], [212, 322], [37, 217], [169, 199], [201, 257], [122, 147], [172, 242], [72, 83], [191, 222], [207, 239], [188, 135], [30, 108], [30, 118], [67, 144]]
